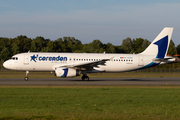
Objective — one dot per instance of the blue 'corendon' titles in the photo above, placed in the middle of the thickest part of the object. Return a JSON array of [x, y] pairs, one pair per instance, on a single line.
[[52, 58], [48, 58]]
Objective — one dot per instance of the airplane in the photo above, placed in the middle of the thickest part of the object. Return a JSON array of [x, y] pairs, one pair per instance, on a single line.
[[74, 64]]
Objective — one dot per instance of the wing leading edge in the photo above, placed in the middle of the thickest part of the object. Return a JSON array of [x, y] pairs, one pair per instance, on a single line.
[[87, 65]]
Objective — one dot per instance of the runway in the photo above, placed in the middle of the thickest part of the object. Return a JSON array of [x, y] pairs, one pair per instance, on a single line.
[[92, 82]]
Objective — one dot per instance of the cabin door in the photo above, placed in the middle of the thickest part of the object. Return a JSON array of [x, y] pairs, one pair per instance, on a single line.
[[140, 61], [26, 59]]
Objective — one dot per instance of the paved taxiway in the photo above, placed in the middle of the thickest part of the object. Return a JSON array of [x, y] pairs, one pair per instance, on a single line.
[[93, 81]]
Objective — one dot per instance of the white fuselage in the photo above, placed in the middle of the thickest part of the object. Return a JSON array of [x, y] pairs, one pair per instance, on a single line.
[[39, 61]]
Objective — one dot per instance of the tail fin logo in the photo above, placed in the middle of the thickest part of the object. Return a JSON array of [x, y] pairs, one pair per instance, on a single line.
[[162, 47]]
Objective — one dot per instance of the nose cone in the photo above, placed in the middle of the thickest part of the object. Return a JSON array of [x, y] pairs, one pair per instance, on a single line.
[[9, 64], [5, 64]]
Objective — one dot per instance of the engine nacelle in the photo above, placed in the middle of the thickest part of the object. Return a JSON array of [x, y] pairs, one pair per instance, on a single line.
[[66, 72]]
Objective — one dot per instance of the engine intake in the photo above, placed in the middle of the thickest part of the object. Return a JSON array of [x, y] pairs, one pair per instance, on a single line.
[[66, 72]]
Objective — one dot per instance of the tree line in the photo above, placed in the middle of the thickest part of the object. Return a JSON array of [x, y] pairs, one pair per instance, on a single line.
[[20, 44]]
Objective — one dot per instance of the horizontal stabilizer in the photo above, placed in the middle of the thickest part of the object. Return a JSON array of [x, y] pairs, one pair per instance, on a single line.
[[158, 60]]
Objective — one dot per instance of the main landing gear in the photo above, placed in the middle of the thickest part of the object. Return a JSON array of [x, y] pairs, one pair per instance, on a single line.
[[85, 77], [26, 78]]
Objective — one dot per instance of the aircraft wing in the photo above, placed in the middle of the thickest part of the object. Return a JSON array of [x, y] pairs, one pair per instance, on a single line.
[[87, 65]]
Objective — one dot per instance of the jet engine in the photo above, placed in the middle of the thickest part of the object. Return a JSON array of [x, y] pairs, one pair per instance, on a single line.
[[66, 72]]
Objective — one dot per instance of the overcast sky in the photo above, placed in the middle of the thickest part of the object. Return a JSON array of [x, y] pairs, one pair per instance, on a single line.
[[87, 20]]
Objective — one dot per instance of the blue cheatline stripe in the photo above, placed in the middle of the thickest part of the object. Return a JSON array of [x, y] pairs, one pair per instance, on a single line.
[[152, 64], [65, 72], [162, 47]]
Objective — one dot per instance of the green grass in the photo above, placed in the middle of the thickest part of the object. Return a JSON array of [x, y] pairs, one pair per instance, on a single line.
[[88, 102]]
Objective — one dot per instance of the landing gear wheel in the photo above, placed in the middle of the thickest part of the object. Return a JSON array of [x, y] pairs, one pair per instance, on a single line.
[[26, 78], [86, 78], [82, 78]]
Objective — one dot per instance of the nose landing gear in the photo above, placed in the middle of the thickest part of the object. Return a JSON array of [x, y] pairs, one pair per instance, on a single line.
[[26, 78]]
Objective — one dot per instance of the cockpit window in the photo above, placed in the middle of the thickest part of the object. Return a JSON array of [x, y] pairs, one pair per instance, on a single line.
[[14, 58]]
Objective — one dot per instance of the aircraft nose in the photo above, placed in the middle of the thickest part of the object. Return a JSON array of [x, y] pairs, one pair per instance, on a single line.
[[9, 65], [5, 64]]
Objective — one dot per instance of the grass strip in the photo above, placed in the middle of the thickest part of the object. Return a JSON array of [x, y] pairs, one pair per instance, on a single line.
[[120, 102]]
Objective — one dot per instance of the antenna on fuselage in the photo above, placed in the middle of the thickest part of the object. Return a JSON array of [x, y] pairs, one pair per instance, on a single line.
[[29, 51]]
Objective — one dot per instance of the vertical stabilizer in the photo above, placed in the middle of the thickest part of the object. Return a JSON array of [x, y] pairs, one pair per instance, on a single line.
[[160, 45]]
